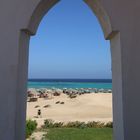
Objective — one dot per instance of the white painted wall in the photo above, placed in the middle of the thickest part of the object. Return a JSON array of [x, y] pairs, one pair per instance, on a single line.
[[120, 22]]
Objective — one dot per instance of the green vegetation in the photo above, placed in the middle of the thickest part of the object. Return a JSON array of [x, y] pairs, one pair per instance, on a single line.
[[71, 130], [76, 124], [78, 134], [30, 127]]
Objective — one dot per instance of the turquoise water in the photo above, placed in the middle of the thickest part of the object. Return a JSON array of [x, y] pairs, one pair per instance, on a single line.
[[66, 84]]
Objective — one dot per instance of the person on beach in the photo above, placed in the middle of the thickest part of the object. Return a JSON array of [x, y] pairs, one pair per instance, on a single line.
[[39, 113]]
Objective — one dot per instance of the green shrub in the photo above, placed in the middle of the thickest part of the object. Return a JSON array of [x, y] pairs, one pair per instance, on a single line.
[[48, 123], [51, 124], [30, 127], [109, 125], [94, 124], [58, 124], [75, 124]]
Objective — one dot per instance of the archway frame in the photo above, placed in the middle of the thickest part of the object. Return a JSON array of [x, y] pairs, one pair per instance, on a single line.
[[30, 29]]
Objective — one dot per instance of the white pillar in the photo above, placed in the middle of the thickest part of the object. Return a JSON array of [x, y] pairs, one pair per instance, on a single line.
[[13, 80], [116, 54], [131, 82]]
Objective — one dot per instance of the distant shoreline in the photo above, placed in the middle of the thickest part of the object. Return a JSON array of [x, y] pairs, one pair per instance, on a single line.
[[70, 83]]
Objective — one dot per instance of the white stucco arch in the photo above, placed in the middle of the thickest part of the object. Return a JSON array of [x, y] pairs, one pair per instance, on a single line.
[[120, 23], [44, 6]]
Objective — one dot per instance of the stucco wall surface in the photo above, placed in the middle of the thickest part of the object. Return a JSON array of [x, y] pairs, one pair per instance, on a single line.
[[19, 19]]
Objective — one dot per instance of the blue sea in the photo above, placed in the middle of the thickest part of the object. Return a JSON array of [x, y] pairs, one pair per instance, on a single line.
[[70, 83]]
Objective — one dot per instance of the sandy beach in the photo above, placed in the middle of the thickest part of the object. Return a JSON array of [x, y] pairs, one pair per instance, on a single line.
[[86, 107]]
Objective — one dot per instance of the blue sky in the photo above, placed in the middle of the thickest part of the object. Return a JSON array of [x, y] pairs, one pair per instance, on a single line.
[[69, 44]]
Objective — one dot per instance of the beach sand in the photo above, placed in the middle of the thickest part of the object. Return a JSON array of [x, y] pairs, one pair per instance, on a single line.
[[87, 107]]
